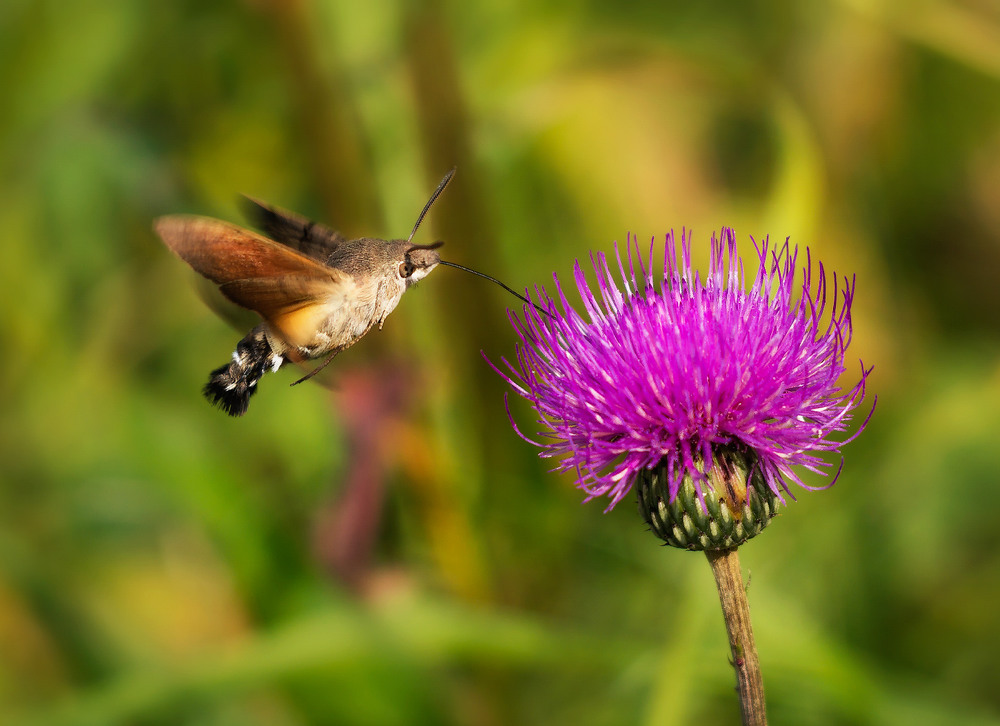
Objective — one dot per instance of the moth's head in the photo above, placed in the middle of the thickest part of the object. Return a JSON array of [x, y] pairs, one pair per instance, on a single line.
[[418, 260]]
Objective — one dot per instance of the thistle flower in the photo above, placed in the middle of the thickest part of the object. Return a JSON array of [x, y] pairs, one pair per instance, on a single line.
[[684, 384]]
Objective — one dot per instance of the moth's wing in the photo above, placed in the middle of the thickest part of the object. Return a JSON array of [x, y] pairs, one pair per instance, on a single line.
[[289, 290], [223, 252], [310, 238], [294, 306]]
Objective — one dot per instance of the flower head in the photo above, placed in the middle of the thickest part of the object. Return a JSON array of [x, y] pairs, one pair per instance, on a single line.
[[668, 374]]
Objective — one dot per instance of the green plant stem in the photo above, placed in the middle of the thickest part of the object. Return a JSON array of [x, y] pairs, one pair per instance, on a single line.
[[736, 612]]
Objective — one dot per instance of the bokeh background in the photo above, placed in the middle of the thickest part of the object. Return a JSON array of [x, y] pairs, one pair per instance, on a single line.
[[382, 549]]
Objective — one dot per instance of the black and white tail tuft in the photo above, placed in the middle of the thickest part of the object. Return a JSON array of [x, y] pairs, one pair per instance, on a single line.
[[231, 386]]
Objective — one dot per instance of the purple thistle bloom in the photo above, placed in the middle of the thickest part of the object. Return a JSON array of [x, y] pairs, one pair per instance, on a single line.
[[667, 375]]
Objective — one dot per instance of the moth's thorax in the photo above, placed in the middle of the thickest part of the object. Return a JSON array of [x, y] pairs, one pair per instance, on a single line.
[[380, 272], [345, 321]]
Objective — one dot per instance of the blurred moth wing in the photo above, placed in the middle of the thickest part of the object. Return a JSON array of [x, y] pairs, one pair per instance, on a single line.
[[294, 293], [300, 233]]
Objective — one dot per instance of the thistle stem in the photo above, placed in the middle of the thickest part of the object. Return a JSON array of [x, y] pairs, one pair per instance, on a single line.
[[736, 612]]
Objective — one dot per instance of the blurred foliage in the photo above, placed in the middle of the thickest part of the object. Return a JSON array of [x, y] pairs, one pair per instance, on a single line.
[[388, 551]]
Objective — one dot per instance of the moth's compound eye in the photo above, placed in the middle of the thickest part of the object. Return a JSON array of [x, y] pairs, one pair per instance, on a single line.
[[405, 269]]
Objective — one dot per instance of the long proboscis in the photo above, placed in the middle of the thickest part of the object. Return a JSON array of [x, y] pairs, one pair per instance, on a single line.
[[515, 293]]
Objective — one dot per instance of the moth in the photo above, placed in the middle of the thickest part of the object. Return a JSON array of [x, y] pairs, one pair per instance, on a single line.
[[317, 292]]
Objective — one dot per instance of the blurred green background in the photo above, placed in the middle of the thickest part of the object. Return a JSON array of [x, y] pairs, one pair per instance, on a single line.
[[385, 550]]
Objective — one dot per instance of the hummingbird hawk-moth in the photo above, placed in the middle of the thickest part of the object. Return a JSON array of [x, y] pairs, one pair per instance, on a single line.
[[316, 291]]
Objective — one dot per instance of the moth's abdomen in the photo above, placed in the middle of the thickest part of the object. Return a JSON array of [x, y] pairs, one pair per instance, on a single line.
[[230, 386]]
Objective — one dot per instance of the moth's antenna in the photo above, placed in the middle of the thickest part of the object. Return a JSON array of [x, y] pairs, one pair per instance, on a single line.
[[493, 279], [434, 196]]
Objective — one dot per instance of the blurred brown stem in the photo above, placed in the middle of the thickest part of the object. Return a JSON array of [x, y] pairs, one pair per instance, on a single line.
[[461, 220], [446, 139], [332, 140], [736, 612]]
